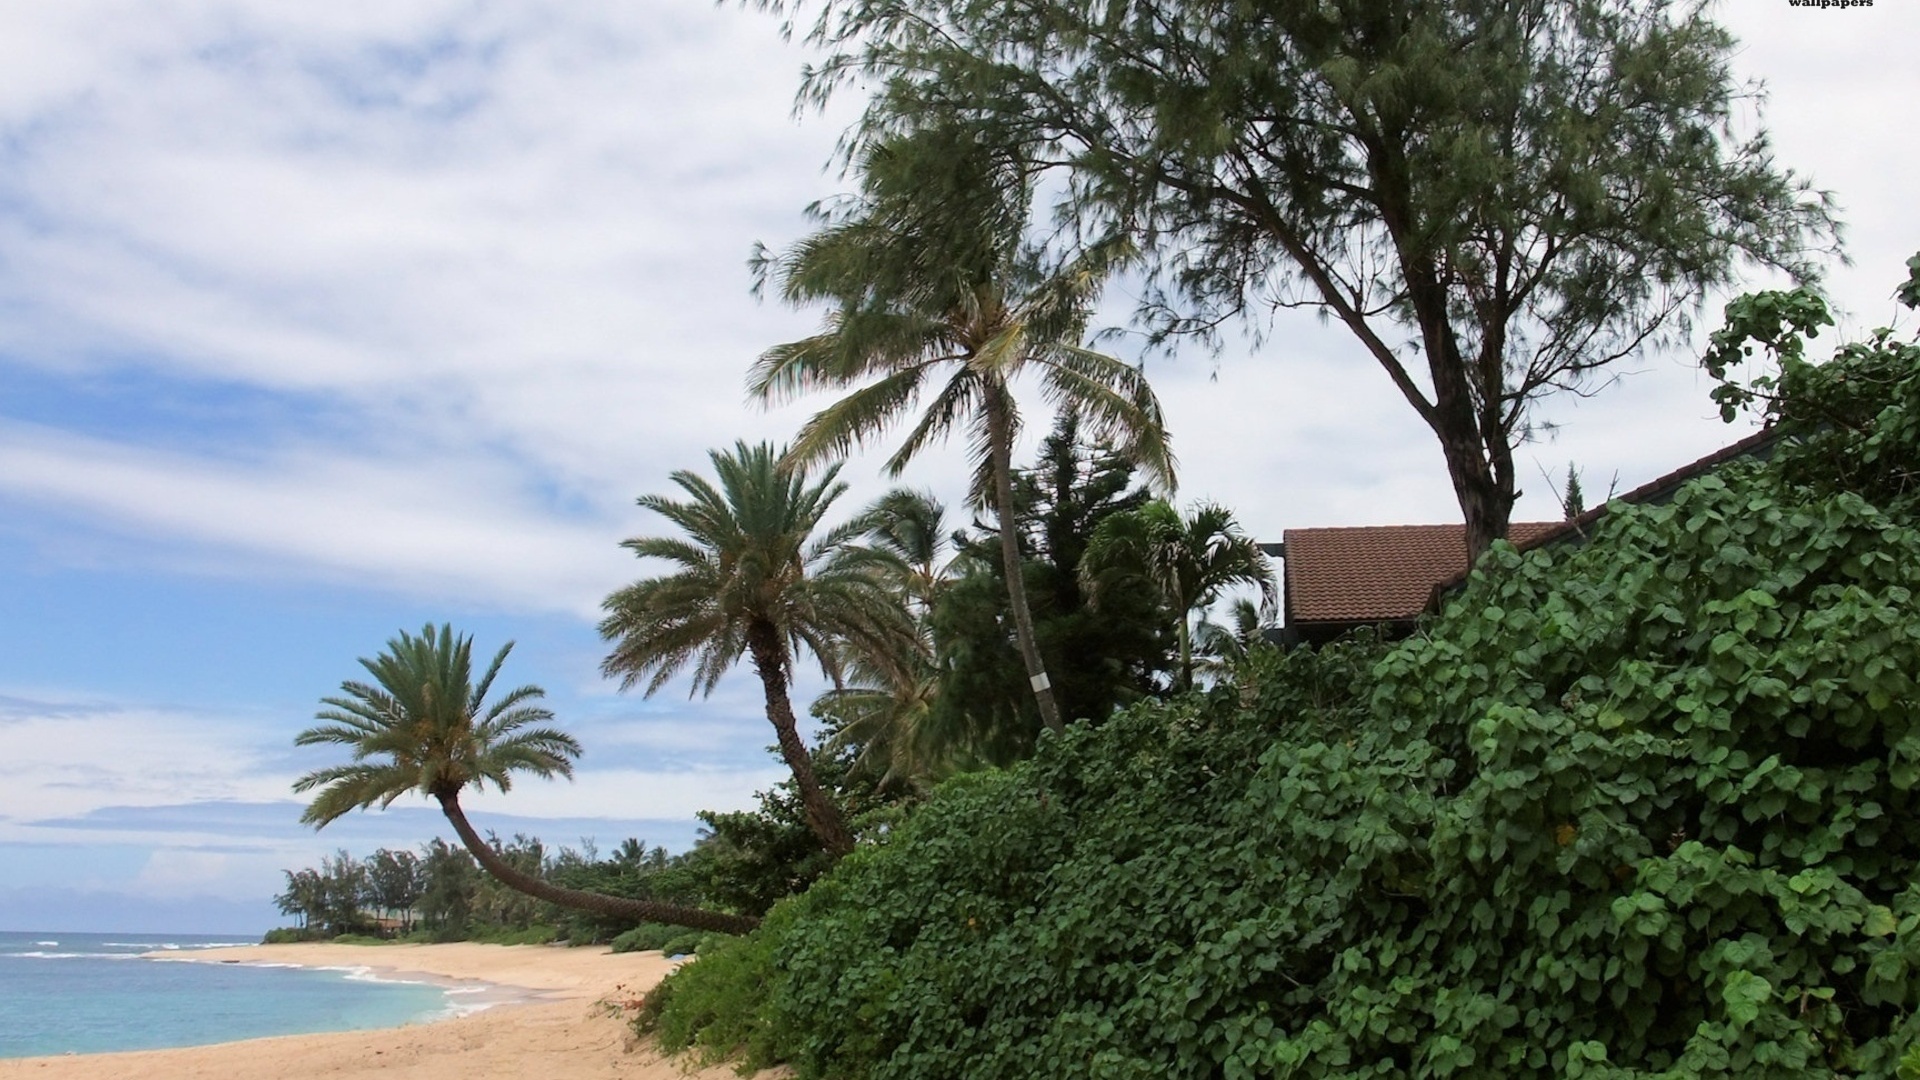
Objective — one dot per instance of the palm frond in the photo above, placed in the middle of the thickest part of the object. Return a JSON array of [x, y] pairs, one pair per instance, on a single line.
[[833, 432]]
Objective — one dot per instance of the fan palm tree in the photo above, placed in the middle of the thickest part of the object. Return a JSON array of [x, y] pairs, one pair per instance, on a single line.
[[931, 282], [752, 579], [423, 724], [1186, 561]]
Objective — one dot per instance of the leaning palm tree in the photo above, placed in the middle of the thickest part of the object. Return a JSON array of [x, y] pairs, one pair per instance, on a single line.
[[1186, 561], [751, 579], [931, 282], [423, 724]]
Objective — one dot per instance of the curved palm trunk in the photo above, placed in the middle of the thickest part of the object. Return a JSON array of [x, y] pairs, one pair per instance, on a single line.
[[618, 907], [1000, 439], [763, 641]]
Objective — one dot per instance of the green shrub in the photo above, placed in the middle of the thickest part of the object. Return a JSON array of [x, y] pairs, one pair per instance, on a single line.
[[289, 935], [1643, 808], [532, 935], [1640, 808], [721, 1015]]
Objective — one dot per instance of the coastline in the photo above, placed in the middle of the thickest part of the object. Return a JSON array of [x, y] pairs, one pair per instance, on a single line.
[[545, 1022]]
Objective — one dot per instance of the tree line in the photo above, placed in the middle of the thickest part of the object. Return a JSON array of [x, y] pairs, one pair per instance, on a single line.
[[1497, 198], [1119, 586]]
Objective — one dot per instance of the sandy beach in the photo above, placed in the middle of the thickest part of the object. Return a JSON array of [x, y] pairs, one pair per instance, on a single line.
[[556, 1031]]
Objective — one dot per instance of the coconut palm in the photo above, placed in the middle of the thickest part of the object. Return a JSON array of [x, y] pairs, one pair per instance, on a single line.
[[884, 709], [931, 283], [751, 579], [423, 724], [1220, 648], [908, 528], [1186, 561]]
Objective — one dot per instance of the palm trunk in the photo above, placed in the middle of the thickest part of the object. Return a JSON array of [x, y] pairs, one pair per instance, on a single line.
[[763, 642], [617, 907], [1000, 440], [1185, 635]]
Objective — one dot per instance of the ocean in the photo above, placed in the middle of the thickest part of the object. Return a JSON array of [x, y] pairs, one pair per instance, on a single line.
[[88, 993]]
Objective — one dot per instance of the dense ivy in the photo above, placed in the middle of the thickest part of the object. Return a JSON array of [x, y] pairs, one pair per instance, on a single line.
[[1638, 807]]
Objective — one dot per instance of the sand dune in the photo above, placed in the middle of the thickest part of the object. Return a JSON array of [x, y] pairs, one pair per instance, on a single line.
[[557, 1031]]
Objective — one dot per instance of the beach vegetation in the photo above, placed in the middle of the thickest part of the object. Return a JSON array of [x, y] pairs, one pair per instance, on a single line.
[[746, 860], [1636, 805], [983, 712], [647, 937], [424, 725], [755, 576], [1187, 561], [466, 904], [932, 285]]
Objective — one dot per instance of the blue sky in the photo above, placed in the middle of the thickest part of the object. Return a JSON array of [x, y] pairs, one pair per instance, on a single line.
[[322, 321]]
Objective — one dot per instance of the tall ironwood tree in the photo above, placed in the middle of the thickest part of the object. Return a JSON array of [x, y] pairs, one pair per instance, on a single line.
[[1498, 198]]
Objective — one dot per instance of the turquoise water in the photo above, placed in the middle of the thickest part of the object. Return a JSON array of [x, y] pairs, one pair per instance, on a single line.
[[87, 993]]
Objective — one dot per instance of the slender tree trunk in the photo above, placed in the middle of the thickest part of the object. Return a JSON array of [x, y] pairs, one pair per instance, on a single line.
[[618, 907], [1000, 447], [1185, 635], [763, 642]]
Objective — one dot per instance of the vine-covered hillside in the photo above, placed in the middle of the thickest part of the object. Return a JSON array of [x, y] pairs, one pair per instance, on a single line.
[[1640, 806]]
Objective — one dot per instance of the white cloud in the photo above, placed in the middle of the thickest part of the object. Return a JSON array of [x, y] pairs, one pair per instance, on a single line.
[[69, 757], [93, 772], [439, 526]]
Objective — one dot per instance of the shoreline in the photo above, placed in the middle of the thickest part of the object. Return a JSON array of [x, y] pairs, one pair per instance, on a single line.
[[485, 993], [548, 1023]]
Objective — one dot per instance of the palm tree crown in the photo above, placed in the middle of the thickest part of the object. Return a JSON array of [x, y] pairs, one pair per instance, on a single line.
[[424, 725], [1186, 560], [884, 709], [751, 578], [747, 559], [930, 280]]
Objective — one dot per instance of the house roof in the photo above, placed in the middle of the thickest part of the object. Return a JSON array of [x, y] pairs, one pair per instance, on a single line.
[[1387, 573], [1379, 573], [1653, 491]]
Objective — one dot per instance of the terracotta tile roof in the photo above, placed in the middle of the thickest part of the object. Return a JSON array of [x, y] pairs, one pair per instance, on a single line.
[[1383, 573], [1379, 573], [1653, 491]]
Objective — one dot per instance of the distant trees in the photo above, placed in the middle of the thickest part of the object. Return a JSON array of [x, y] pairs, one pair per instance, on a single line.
[[303, 898], [336, 898], [441, 890], [394, 884]]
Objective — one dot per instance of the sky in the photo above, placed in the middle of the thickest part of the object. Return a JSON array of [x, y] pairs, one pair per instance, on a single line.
[[321, 322]]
